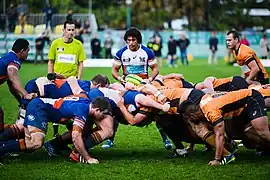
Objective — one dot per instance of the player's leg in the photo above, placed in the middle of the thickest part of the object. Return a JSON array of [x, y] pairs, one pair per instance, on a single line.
[[2, 124], [110, 142], [55, 129], [166, 142]]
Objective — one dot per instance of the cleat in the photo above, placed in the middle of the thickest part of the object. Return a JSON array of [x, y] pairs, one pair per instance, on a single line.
[[235, 147], [108, 144], [179, 152], [227, 159], [50, 149], [167, 144]]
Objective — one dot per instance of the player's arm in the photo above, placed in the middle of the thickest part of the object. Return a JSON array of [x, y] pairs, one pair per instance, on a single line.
[[254, 70], [132, 120], [15, 83], [51, 57], [219, 140], [77, 139], [208, 83], [173, 76], [74, 86], [154, 66], [148, 102]]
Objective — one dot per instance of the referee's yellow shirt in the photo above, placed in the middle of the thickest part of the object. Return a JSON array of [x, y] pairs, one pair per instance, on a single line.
[[66, 56]]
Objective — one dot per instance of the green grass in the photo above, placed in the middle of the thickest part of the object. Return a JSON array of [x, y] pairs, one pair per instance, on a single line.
[[139, 152]]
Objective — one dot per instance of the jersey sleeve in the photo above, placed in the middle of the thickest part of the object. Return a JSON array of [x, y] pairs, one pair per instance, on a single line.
[[82, 55], [117, 57], [151, 57], [14, 64], [52, 51]]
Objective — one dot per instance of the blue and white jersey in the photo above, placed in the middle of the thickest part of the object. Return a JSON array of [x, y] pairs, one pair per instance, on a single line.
[[135, 62], [9, 60]]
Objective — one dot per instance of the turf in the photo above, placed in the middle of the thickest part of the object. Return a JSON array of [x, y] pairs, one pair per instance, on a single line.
[[138, 153]]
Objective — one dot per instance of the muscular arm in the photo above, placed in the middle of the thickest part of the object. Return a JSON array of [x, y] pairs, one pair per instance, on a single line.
[[15, 82], [80, 70], [155, 71], [78, 142], [50, 66], [254, 69], [148, 102], [115, 71], [219, 139], [173, 76], [208, 83], [132, 120]]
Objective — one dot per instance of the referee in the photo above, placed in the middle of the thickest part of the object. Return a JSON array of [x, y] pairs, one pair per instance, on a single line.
[[66, 56]]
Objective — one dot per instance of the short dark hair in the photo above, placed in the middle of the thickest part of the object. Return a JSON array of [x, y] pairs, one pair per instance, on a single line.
[[187, 107], [68, 22], [20, 44], [101, 79], [134, 32], [102, 104], [234, 33]]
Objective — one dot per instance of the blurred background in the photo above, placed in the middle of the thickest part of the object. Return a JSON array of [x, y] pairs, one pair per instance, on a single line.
[[105, 21]]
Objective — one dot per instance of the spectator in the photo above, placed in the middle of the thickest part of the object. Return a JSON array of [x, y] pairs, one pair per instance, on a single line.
[[22, 22], [49, 11], [108, 43], [78, 35], [86, 27], [69, 15], [172, 45], [40, 43], [264, 46], [183, 43], [244, 40], [213, 46], [96, 47], [12, 17], [22, 8], [157, 46], [78, 24]]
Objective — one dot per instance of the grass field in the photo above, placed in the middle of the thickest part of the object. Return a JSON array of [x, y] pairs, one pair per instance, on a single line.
[[139, 152]]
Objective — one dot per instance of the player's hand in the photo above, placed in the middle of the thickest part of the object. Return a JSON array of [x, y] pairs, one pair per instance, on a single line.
[[121, 79], [121, 103], [29, 96], [166, 107], [161, 99], [214, 163]]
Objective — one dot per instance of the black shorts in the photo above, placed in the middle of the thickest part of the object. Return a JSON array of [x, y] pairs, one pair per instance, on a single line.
[[195, 96], [264, 81], [255, 106], [186, 84]]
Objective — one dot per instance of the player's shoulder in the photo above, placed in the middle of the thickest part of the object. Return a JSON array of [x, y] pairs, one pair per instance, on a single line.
[[77, 42], [244, 49], [121, 51], [58, 40], [148, 51]]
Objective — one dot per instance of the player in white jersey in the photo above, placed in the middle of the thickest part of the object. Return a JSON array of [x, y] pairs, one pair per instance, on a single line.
[[135, 58]]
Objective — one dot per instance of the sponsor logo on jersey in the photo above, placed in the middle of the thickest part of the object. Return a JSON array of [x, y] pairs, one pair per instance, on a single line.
[[31, 117], [60, 49], [67, 58]]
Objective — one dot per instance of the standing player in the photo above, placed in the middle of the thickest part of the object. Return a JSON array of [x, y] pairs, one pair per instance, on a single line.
[[66, 56], [135, 58], [10, 64], [252, 68]]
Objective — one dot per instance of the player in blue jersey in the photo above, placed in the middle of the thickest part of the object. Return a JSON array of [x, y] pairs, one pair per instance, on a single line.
[[40, 111], [57, 88], [10, 64], [135, 58]]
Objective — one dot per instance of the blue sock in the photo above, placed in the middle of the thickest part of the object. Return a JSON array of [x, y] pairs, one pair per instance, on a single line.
[[10, 146], [162, 133]]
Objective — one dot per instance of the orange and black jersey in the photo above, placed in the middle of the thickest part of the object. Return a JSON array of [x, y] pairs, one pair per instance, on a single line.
[[218, 106], [243, 56], [263, 89], [230, 84]]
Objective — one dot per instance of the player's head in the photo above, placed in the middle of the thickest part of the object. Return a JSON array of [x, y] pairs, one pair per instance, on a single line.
[[100, 81], [133, 38], [69, 29], [232, 39], [21, 48], [100, 107], [190, 111]]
